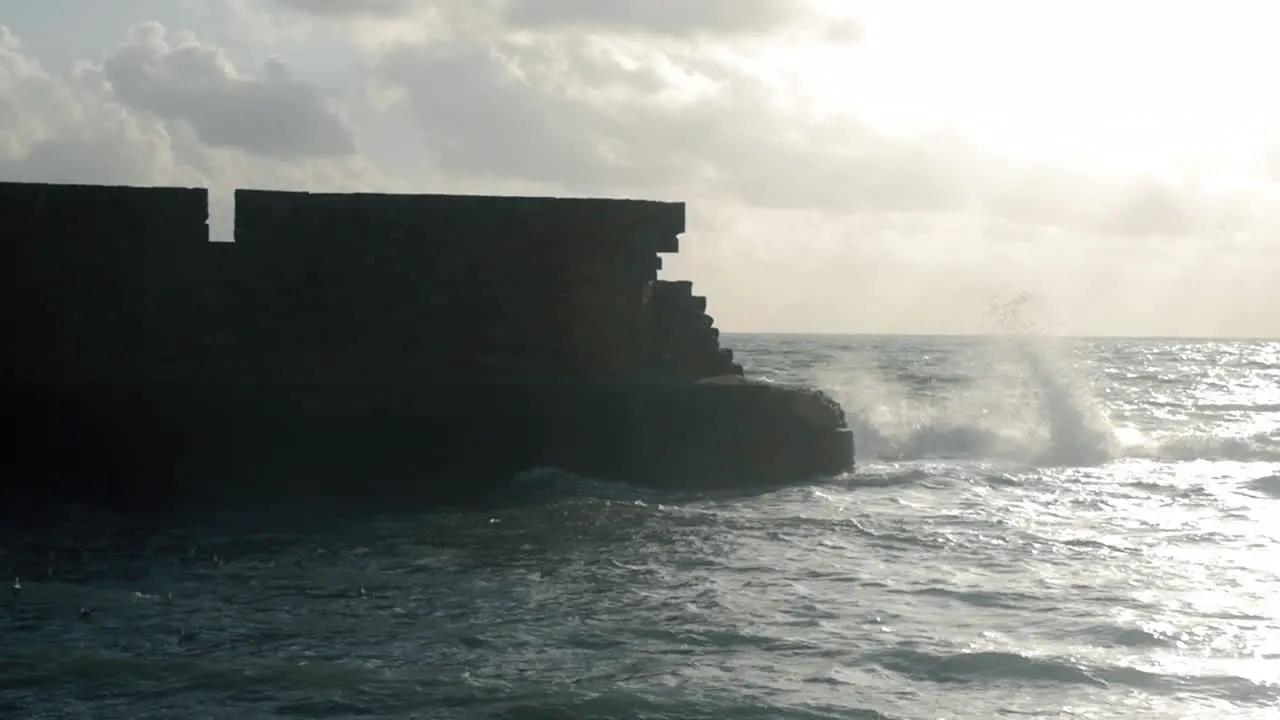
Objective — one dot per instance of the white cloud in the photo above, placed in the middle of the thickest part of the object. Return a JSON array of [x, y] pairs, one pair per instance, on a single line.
[[668, 17], [165, 109], [349, 8], [68, 128], [664, 17], [591, 113], [176, 78]]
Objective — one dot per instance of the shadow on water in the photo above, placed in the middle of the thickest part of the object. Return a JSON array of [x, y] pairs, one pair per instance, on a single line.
[[299, 506], [543, 524]]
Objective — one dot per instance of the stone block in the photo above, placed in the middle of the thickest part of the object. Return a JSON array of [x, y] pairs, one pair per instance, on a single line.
[[674, 288]]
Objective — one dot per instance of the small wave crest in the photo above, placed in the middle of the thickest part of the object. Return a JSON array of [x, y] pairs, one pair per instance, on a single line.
[[997, 666], [988, 666], [1196, 446], [544, 481], [1268, 486]]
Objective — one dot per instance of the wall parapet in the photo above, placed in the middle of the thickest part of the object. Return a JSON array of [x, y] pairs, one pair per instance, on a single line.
[[122, 284]]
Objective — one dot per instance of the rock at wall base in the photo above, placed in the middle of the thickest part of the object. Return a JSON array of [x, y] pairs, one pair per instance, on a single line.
[[151, 443]]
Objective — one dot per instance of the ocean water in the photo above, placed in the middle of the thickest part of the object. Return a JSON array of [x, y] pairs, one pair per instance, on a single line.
[[1056, 529]]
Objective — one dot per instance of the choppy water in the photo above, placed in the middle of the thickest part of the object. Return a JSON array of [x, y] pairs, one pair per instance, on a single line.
[[1083, 530]]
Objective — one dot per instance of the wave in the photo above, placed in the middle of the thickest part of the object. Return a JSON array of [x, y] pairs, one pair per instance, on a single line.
[[995, 666], [1035, 407], [1268, 486], [543, 481], [1261, 447], [948, 441]]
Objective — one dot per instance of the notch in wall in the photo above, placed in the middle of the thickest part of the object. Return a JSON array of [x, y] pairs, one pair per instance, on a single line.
[[221, 216]]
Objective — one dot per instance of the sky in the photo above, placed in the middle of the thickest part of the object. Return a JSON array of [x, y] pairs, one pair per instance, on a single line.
[[850, 166]]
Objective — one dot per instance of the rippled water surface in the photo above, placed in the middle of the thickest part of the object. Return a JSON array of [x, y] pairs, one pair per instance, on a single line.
[[1086, 529]]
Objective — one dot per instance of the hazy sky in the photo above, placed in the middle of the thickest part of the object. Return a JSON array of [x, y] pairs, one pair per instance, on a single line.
[[878, 166]]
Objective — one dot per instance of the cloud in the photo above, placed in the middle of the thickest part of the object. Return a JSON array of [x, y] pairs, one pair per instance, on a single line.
[[68, 128], [608, 115], [479, 118], [661, 17], [175, 77], [669, 17], [570, 111], [349, 8], [584, 111], [165, 109]]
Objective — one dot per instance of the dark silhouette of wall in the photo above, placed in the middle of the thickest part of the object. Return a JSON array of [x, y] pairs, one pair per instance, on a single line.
[[339, 335], [420, 287], [102, 283], [683, 340], [121, 284]]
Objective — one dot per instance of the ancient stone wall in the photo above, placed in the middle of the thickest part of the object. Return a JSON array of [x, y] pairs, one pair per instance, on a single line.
[[426, 287], [118, 283], [683, 340], [339, 314], [102, 283]]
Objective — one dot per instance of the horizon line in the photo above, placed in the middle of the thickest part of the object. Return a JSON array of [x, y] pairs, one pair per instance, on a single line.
[[960, 335]]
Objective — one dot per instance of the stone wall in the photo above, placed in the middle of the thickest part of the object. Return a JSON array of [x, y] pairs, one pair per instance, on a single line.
[[102, 283], [118, 283], [426, 287], [683, 339], [346, 337]]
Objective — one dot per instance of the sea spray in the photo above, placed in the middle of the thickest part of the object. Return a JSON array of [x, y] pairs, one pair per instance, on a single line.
[[1021, 400], [892, 420], [1076, 428]]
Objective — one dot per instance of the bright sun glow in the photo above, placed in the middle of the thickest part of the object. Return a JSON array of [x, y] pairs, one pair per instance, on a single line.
[[1133, 86]]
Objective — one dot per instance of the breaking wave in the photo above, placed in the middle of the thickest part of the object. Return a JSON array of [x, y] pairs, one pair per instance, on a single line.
[[1031, 399], [1058, 423]]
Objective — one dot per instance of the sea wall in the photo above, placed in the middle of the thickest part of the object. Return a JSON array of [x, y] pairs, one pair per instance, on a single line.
[[102, 283], [419, 287], [110, 284], [440, 342], [683, 339]]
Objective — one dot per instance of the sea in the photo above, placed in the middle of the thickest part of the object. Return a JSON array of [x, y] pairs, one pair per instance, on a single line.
[[1036, 528]]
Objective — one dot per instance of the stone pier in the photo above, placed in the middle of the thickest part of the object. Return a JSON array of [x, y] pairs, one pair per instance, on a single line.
[[443, 342]]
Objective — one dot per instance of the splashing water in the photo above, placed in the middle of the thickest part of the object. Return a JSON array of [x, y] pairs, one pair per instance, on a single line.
[[1035, 411], [1078, 431], [1037, 407], [1025, 397]]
